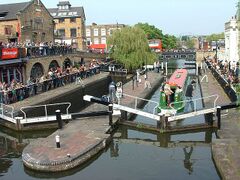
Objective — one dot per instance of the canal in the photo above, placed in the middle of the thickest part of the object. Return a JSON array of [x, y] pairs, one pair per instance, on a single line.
[[133, 154]]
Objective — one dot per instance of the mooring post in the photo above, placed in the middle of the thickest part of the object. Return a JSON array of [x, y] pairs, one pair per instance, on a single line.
[[110, 111], [219, 117], [57, 138], [18, 123], [59, 119]]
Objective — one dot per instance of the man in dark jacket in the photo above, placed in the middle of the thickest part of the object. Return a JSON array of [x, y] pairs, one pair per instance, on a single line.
[[189, 95]]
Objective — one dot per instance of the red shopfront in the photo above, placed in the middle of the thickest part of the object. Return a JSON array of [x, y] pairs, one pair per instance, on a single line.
[[11, 67]]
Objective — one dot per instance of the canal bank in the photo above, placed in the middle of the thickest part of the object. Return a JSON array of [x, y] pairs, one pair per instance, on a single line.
[[80, 139], [225, 149]]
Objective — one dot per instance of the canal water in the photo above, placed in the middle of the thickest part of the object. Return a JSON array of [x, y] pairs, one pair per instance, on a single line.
[[132, 154]]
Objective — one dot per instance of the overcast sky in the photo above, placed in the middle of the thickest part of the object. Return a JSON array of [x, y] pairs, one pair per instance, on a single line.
[[193, 17]]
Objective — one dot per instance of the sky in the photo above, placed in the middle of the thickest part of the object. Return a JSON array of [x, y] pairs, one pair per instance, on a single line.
[[177, 17]]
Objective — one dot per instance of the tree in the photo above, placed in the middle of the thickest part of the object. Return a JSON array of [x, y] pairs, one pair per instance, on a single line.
[[168, 41], [151, 31], [215, 37], [129, 46], [190, 43]]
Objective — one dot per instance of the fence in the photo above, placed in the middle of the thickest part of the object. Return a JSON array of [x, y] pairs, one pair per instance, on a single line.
[[224, 84]]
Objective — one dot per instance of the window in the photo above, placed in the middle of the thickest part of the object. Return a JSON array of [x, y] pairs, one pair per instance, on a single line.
[[89, 42], [103, 40], [95, 32], [61, 32], [73, 32], [88, 32], [53, 14], [61, 20], [72, 20], [96, 41], [8, 30], [103, 32]]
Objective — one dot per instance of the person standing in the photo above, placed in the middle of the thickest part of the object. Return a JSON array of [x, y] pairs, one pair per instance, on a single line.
[[189, 95]]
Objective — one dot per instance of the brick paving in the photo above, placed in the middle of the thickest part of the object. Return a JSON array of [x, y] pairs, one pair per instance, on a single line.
[[226, 149], [80, 139]]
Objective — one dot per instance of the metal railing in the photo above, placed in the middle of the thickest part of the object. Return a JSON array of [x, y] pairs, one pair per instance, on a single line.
[[26, 109], [7, 112], [194, 102], [138, 100]]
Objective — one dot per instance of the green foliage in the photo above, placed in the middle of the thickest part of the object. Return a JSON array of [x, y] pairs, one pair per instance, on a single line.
[[168, 41], [215, 37], [151, 31], [129, 46], [190, 43]]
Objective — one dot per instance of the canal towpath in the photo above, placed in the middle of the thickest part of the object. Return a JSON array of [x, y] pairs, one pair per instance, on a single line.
[[226, 148], [80, 139]]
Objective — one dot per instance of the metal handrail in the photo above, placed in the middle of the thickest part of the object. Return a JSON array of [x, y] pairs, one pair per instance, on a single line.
[[45, 108], [8, 106], [195, 100], [136, 100]]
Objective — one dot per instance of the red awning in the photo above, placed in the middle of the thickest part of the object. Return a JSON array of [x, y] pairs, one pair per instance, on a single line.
[[97, 46]]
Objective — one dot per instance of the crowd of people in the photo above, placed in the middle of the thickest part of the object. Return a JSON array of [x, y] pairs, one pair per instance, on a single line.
[[228, 70], [41, 48], [56, 77]]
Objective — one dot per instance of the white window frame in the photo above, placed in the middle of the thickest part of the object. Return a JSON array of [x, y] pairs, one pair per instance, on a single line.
[[96, 41], [103, 40], [95, 32], [103, 32], [88, 32]]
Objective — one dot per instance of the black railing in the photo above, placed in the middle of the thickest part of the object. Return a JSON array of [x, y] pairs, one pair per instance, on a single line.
[[223, 82], [32, 89]]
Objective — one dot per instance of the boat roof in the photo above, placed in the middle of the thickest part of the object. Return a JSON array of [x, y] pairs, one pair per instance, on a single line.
[[178, 78]]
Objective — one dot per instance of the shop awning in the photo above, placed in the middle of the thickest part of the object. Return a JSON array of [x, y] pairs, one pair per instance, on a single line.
[[97, 46]]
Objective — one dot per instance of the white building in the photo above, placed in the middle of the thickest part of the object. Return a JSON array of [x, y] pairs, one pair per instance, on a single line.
[[231, 40]]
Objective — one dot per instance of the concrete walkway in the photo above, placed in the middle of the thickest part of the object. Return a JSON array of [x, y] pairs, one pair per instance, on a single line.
[[226, 149], [80, 139]]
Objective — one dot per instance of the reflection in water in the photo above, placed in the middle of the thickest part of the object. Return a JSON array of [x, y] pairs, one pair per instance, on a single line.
[[114, 149], [188, 164]]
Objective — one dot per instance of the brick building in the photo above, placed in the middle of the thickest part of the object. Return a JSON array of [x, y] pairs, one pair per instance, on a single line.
[[96, 35], [26, 22], [69, 24]]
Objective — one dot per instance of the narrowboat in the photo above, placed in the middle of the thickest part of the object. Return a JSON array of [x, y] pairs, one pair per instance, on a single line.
[[172, 93]]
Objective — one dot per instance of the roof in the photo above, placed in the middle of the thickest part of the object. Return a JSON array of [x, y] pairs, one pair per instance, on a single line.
[[11, 10], [72, 12], [179, 77]]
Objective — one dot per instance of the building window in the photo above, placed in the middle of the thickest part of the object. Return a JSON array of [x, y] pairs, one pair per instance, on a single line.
[[43, 37], [95, 32], [96, 41], [61, 20], [61, 32], [103, 32], [72, 20], [103, 40], [73, 32], [88, 32], [8, 30], [89, 42]]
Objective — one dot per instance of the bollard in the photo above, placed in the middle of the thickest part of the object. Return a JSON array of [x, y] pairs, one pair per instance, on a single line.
[[57, 138], [59, 119], [110, 110], [219, 117]]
